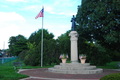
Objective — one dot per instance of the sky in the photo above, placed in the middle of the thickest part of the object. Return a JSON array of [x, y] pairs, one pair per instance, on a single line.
[[18, 17]]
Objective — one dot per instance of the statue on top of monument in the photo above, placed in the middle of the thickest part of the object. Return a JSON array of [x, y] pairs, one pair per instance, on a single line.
[[73, 23]]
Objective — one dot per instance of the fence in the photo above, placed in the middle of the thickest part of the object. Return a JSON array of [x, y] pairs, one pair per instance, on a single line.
[[6, 60]]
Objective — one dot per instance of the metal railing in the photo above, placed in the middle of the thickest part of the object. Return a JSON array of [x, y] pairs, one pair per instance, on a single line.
[[6, 60]]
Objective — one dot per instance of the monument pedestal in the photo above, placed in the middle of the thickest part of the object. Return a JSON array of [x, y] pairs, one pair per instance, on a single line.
[[74, 67], [74, 48]]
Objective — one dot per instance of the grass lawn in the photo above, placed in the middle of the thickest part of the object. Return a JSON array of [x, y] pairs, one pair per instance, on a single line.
[[7, 71], [111, 65]]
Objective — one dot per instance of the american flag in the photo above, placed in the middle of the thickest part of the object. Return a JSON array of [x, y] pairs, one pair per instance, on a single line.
[[40, 13]]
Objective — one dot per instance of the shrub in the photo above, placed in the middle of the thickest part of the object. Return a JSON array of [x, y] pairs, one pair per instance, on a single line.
[[111, 77], [32, 58], [1, 76], [99, 56], [22, 54], [50, 54], [96, 54]]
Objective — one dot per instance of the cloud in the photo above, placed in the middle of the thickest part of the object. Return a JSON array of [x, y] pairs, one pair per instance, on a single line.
[[4, 6], [6, 32], [16, 0], [67, 13], [58, 7], [49, 9], [32, 8], [11, 16], [66, 3], [62, 7], [60, 11], [12, 29]]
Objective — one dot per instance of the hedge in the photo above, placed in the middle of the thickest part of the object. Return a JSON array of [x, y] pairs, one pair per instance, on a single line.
[[115, 76]]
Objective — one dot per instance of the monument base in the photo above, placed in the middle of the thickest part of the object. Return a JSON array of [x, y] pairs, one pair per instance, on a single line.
[[74, 48], [74, 62], [75, 68]]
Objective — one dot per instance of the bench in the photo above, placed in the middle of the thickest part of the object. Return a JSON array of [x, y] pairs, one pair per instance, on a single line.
[[16, 64], [119, 65]]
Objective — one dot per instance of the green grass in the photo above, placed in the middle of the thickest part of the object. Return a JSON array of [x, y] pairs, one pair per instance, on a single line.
[[34, 67], [111, 65], [7, 71]]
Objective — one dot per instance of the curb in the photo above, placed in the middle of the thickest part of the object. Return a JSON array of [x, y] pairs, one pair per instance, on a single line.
[[32, 78], [57, 78]]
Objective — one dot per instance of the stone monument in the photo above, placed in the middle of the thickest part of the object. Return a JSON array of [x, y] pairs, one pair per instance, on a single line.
[[74, 67], [74, 37]]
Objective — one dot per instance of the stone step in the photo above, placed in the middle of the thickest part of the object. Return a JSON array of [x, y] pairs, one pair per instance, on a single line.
[[97, 70], [80, 67], [74, 64]]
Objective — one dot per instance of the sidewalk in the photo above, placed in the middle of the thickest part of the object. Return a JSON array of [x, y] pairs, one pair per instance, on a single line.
[[43, 74]]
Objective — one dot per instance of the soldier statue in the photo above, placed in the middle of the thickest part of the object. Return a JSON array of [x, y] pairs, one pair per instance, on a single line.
[[73, 23]]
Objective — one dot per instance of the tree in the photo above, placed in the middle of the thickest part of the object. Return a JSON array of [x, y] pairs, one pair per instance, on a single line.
[[95, 23], [100, 22], [51, 55], [36, 36], [11, 42], [64, 43], [101, 19], [17, 44], [31, 56], [50, 52]]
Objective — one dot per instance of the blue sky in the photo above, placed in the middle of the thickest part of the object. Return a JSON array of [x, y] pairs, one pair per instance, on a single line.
[[18, 17]]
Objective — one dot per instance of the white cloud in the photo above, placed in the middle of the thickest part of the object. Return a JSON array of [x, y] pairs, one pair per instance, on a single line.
[[62, 7], [66, 3], [6, 32], [11, 29], [11, 16], [37, 7], [30, 7], [4, 6], [58, 7], [67, 13], [49, 9], [9, 26], [54, 10], [16, 0]]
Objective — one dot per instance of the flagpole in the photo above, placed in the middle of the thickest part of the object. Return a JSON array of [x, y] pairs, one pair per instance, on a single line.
[[41, 14], [42, 43]]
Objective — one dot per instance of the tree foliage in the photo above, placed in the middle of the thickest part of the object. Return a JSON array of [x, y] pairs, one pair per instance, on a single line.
[[64, 43], [36, 36], [50, 52], [17, 44], [100, 22]]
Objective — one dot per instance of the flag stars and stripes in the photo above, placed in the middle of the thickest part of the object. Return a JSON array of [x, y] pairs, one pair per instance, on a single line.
[[40, 13]]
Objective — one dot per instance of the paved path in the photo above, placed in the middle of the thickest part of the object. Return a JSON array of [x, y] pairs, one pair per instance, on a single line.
[[43, 74]]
